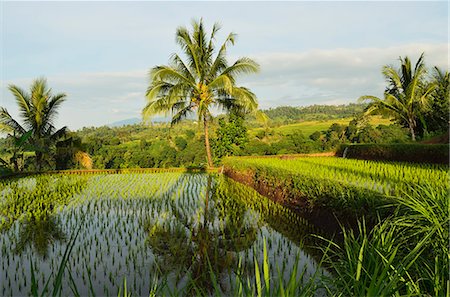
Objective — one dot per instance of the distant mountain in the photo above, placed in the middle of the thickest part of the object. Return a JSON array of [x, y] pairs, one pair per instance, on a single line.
[[125, 122], [133, 121]]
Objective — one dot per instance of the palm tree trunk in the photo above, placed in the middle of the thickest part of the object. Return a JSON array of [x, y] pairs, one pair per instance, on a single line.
[[208, 148], [411, 125], [413, 135], [38, 161]]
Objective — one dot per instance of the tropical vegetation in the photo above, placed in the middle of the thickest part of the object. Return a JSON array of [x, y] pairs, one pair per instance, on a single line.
[[409, 95], [206, 81], [38, 110]]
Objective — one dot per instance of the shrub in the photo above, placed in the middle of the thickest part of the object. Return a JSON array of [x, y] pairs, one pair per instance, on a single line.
[[415, 153]]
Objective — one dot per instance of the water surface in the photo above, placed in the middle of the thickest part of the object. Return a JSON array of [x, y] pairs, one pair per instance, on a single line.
[[164, 231]]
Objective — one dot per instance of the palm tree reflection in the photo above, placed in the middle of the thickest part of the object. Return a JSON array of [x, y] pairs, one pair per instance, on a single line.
[[202, 242], [39, 232]]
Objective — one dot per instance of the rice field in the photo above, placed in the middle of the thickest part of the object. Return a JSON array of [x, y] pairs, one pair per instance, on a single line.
[[191, 234], [342, 183], [152, 233], [403, 251]]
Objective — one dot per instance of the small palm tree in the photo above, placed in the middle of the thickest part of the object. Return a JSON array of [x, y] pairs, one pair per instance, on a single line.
[[407, 95], [38, 110], [205, 81]]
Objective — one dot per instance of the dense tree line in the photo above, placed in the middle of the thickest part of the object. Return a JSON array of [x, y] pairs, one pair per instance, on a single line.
[[314, 112]]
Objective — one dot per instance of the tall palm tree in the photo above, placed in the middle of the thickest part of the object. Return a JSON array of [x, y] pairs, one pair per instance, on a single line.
[[204, 82], [406, 96], [38, 110]]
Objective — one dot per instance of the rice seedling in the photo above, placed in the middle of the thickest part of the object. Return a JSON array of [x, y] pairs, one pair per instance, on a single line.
[[405, 253], [166, 227], [219, 225]]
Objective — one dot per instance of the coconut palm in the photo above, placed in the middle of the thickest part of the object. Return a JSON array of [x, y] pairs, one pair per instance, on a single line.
[[203, 82], [437, 117], [38, 110], [407, 95]]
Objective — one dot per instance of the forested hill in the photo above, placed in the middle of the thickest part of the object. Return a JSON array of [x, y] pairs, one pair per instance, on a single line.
[[315, 112]]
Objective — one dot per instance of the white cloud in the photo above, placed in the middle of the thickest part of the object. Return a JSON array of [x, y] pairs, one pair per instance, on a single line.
[[341, 75], [286, 78], [92, 98]]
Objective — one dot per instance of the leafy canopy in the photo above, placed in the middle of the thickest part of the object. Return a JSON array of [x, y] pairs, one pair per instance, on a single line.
[[204, 80]]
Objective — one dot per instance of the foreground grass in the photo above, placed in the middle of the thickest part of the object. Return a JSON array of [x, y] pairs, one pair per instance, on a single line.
[[406, 253]]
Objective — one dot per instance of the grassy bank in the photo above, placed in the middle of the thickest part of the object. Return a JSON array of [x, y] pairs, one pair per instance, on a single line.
[[349, 186], [404, 254]]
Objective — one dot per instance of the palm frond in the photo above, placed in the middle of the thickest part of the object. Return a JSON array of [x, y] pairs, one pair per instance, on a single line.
[[222, 82], [245, 98], [157, 106], [59, 133], [168, 74], [182, 67], [242, 66], [22, 99], [220, 62], [8, 123], [158, 88], [181, 114], [183, 39]]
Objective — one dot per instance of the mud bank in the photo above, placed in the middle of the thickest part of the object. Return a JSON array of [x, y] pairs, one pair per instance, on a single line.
[[327, 220]]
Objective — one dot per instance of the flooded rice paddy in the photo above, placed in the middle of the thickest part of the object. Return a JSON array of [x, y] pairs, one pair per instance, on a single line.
[[167, 232]]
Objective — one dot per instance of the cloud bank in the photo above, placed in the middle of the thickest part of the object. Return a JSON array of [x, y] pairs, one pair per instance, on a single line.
[[286, 78]]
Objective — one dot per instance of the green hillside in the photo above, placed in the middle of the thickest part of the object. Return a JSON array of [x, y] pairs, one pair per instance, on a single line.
[[309, 127]]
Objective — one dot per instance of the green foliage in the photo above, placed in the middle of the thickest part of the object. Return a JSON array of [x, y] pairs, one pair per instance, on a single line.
[[406, 254], [205, 80], [289, 114], [407, 96], [231, 136], [180, 142], [435, 118], [38, 110], [416, 153]]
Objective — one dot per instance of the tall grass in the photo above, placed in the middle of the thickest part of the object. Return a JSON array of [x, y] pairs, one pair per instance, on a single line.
[[405, 255]]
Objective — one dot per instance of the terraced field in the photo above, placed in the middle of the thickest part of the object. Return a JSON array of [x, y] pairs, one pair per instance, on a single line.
[[159, 232]]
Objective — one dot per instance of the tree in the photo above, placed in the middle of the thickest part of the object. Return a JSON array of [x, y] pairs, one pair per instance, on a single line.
[[231, 136], [407, 95], [436, 118], [205, 81], [38, 110]]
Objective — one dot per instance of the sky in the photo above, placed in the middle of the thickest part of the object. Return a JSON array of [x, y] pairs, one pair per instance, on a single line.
[[99, 53]]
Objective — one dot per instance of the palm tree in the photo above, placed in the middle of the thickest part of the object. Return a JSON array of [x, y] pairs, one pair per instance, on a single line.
[[38, 110], [407, 95], [204, 82], [437, 118]]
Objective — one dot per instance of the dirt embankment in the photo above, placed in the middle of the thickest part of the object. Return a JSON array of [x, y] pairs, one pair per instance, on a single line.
[[325, 219]]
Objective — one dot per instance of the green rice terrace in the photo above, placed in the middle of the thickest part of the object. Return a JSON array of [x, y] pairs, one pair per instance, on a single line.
[[159, 232], [177, 233]]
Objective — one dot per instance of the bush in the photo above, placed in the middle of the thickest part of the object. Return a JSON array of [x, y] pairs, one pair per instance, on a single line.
[[415, 153]]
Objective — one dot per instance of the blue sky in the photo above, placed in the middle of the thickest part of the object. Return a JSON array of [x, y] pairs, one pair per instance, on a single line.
[[99, 53]]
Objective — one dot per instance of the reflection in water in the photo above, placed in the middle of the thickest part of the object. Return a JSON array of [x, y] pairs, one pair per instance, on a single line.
[[32, 205], [180, 229], [198, 243], [39, 232]]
